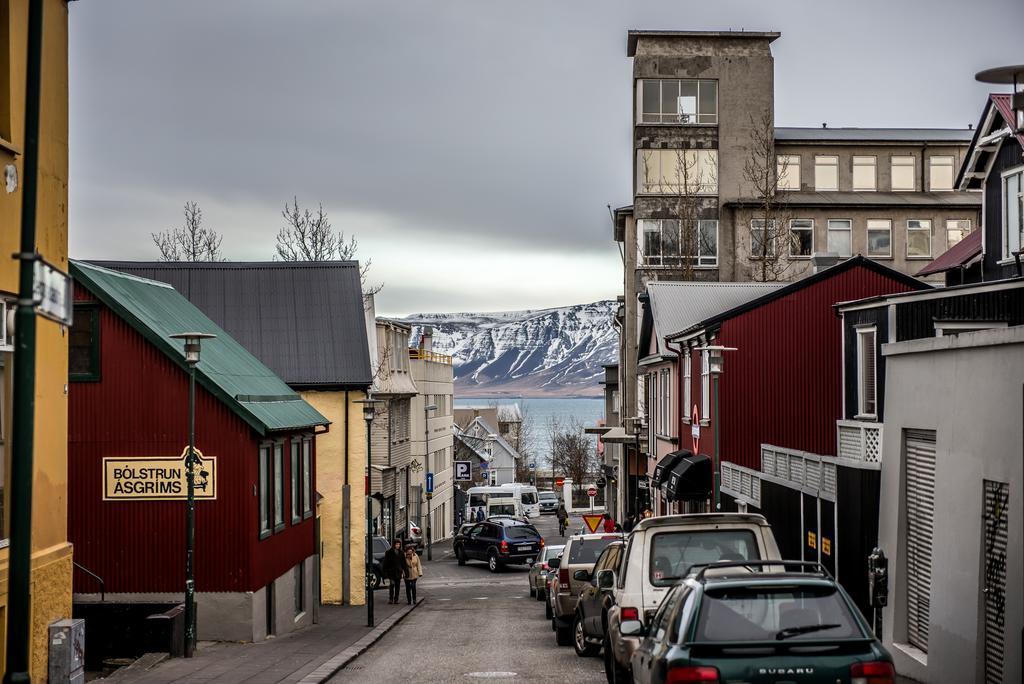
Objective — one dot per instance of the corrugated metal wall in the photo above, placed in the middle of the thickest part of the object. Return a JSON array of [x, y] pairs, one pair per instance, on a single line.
[[782, 385], [139, 409]]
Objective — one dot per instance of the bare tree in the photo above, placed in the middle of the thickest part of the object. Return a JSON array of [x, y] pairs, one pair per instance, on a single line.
[[192, 241], [771, 239], [572, 454], [309, 236]]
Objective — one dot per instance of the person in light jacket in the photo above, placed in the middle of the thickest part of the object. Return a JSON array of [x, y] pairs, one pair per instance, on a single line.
[[415, 571], [393, 568]]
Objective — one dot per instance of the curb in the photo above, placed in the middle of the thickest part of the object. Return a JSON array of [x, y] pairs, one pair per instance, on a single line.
[[338, 662]]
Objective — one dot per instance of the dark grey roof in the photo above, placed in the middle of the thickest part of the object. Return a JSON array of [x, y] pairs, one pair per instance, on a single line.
[[812, 134], [304, 320], [897, 200]]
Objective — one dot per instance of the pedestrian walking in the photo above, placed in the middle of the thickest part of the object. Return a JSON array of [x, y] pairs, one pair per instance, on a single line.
[[394, 568], [415, 571], [480, 514], [563, 519], [609, 524]]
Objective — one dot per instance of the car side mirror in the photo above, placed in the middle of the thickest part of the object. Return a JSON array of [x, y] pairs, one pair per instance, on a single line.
[[632, 628], [581, 575], [606, 580], [554, 563]]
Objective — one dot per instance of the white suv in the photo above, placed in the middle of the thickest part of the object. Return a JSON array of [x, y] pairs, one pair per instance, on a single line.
[[660, 552]]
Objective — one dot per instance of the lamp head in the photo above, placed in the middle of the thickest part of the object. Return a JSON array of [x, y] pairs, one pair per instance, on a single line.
[[193, 342], [369, 408], [430, 407]]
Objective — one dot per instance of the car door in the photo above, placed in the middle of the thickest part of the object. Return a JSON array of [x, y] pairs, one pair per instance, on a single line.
[[473, 540], [593, 606], [489, 537], [657, 637]]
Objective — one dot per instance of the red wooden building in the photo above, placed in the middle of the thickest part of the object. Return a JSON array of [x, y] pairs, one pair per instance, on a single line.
[[256, 549]]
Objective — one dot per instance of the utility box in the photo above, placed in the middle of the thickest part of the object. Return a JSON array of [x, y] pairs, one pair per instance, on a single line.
[[67, 652]]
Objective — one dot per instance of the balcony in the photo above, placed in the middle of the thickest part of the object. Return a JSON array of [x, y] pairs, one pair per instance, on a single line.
[[859, 441], [741, 483], [434, 357], [808, 472]]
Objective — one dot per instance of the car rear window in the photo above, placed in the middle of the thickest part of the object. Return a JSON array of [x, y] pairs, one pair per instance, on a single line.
[[551, 552], [775, 614], [501, 509], [674, 553], [586, 551], [521, 532]]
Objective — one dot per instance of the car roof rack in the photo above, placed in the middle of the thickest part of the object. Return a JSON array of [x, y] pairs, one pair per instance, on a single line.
[[817, 567]]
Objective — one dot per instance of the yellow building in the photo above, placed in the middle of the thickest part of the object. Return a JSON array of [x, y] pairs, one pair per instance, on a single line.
[[51, 552]]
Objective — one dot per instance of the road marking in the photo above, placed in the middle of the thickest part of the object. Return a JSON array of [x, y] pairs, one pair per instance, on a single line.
[[444, 599], [480, 598], [490, 675]]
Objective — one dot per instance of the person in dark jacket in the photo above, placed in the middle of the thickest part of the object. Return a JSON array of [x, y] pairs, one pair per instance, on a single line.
[[394, 568]]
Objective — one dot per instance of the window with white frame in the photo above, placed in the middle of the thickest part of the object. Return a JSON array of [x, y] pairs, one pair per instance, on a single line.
[[265, 496], [919, 239], [762, 239], [665, 422], [788, 171], [903, 173], [826, 172], [956, 230], [677, 101], [864, 176], [278, 486], [689, 172], [667, 243], [296, 480], [1013, 212], [867, 394], [684, 410], [879, 238], [801, 241], [307, 477], [839, 238], [705, 385], [946, 328], [940, 173]]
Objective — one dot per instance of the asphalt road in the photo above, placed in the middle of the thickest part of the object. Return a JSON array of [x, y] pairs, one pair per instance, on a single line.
[[474, 626]]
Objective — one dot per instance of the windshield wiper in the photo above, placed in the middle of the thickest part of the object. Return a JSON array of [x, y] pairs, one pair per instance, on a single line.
[[806, 629]]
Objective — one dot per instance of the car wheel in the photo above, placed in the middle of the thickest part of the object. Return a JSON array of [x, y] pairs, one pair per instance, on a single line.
[[492, 562], [540, 595], [461, 553], [612, 671], [579, 641], [547, 612], [563, 635], [533, 592]]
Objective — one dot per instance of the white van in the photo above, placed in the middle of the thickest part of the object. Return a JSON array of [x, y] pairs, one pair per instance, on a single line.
[[494, 500], [528, 497]]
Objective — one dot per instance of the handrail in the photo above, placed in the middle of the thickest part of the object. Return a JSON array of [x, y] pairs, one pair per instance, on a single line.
[[424, 355], [87, 571]]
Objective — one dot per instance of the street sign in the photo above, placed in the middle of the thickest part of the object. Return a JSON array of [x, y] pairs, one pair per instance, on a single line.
[[592, 521], [52, 292], [533, 466], [601, 483], [158, 478], [559, 481], [592, 491], [463, 471], [483, 465], [430, 483], [695, 429]]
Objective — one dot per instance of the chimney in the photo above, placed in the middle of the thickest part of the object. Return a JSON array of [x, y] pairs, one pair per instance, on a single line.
[[823, 260], [427, 340], [824, 125]]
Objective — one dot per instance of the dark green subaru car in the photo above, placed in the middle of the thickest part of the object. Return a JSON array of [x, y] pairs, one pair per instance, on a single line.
[[759, 622]]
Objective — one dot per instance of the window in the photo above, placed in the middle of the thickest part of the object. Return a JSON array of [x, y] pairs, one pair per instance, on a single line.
[[839, 240], [675, 101], [864, 173], [1013, 212], [940, 173], [903, 174], [919, 528], [307, 478], [666, 243], [296, 481], [684, 410], [263, 492], [690, 172], [801, 243], [762, 242], [919, 239], [787, 170], [826, 173], [84, 344], [946, 328], [674, 553], [664, 424], [866, 389], [760, 614], [879, 238], [956, 230], [278, 487], [705, 385]]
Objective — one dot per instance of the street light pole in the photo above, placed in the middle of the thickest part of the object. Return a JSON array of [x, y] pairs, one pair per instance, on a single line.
[[368, 414], [430, 476], [192, 347]]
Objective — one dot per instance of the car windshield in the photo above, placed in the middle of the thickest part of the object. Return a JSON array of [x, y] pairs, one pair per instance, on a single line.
[[529, 498], [548, 496], [477, 500], [674, 553], [521, 532], [586, 551], [792, 613], [552, 552]]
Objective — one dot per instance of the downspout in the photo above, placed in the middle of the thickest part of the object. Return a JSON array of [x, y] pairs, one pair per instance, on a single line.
[[346, 520], [681, 410]]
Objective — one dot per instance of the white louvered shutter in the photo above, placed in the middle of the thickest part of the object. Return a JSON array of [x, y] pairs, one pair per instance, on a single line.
[[919, 447], [996, 533]]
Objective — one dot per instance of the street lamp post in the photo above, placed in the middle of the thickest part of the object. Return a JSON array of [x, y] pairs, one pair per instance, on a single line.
[[369, 409], [716, 360], [193, 341], [427, 408]]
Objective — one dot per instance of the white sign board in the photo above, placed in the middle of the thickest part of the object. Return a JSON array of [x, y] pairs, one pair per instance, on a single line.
[[52, 292], [463, 471]]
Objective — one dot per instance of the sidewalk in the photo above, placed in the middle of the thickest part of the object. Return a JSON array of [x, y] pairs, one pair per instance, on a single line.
[[308, 655]]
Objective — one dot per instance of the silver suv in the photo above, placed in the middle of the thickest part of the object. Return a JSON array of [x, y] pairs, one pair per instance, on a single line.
[[660, 552], [574, 573]]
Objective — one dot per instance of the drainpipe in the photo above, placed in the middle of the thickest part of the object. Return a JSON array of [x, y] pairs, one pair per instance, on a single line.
[[346, 520], [679, 389]]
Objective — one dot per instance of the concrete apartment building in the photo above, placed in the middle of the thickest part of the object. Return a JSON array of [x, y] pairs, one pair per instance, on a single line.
[[702, 99]]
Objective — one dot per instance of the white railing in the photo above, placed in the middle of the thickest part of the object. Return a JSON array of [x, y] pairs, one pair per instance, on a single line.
[[809, 472], [859, 441], [740, 482]]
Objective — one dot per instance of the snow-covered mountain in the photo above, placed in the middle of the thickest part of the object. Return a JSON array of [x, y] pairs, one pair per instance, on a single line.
[[529, 353]]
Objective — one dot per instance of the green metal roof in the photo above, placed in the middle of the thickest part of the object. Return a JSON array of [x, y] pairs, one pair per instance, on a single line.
[[226, 368]]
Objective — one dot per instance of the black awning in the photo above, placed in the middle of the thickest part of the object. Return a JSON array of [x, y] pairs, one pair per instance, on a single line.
[[665, 466], [689, 478]]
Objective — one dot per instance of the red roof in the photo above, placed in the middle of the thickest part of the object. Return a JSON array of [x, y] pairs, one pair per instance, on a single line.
[[957, 255], [1003, 104]]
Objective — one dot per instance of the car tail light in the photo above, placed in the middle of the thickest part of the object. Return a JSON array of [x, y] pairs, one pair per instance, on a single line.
[[543, 566], [629, 614], [691, 674], [542, 542], [415, 530], [563, 580], [504, 546], [877, 672]]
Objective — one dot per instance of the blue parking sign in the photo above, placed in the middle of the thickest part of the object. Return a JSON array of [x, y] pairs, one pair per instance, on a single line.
[[430, 483]]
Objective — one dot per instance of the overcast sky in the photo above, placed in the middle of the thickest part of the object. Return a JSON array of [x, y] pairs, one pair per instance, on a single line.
[[470, 146]]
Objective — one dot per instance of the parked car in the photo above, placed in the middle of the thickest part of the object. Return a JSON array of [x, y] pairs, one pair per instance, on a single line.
[[578, 557], [661, 551], [414, 535], [548, 502], [595, 600], [539, 572], [500, 542], [740, 624], [380, 547], [551, 585]]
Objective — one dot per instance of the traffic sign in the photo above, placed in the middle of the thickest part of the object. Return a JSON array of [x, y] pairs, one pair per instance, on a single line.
[[430, 483], [533, 466], [592, 521], [559, 481], [601, 483], [463, 471], [592, 491]]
